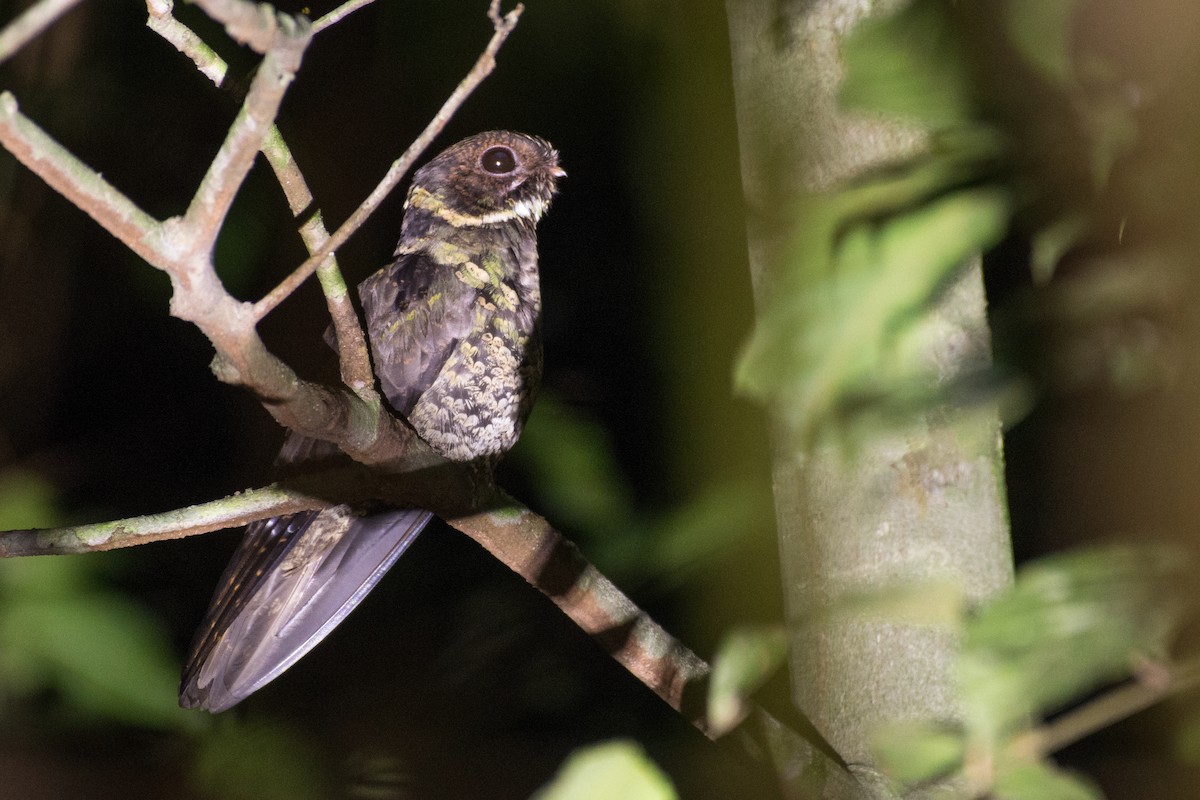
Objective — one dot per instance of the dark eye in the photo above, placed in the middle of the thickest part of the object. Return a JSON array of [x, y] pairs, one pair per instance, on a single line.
[[499, 160]]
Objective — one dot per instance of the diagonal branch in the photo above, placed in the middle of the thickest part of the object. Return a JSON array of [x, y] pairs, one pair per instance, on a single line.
[[339, 14], [162, 21], [75, 181], [503, 26], [1107, 709], [33, 21], [177, 246], [228, 512], [352, 347], [230, 166]]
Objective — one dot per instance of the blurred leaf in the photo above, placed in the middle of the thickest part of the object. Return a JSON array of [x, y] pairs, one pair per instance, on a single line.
[[570, 459], [1043, 782], [49, 576], [1112, 126], [105, 655], [933, 602], [1187, 736], [1070, 623], [580, 485], [1041, 32], [703, 527], [830, 336], [909, 64], [100, 652], [1051, 242], [259, 762], [916, 752], [746, 659], [609, 770], [27, 500]]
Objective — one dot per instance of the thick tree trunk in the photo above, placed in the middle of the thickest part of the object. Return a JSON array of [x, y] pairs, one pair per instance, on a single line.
[[923, 501]]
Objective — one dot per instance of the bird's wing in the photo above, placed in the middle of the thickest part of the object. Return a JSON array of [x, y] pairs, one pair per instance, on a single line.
[[417, 313], [291, 582]]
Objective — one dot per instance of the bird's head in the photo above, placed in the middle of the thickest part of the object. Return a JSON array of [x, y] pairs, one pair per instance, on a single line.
[[488, 179]]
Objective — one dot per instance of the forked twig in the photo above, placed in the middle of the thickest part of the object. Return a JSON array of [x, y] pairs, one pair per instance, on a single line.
[[503, 26]]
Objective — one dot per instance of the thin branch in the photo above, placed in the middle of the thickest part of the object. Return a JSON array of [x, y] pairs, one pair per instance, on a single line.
[[233, 161], [353, 359], [359, 427], [352, 348], [532, 548], [1107, 709], [33, 21], [162, 21], [257, 25], [228, 512], [503, 26], [338, 14]]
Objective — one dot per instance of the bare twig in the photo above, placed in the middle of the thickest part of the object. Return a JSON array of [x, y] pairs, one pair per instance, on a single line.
[[177, 246], [338, 14], [233, 161], [352, 347], [503, 26], [1103, 711], [256, 25], [161, 20], [228, 512], [33, 21]]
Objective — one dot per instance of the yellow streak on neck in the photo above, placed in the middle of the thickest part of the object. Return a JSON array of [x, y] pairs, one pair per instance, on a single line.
[[422, 198]]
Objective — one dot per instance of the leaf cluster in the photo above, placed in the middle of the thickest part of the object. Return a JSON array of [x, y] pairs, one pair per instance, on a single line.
[[1072, 625], [1038, 128]]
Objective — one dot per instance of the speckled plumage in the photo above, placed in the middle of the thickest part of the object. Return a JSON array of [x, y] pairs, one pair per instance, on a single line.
[[454, 327], [454, 322]]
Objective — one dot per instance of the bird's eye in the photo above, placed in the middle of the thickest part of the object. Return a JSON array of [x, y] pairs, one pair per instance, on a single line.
[[498, 160]]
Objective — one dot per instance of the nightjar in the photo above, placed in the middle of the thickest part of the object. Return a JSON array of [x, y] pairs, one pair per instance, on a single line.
[[454, 328]]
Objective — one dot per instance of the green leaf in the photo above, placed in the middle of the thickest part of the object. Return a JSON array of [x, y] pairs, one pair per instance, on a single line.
[[832, 333], [1070, 624], [1043, 782], [706, 525], [105, 655], [1041, 32], [27, 500], [917, 752], [746, 659], [910, 64], [258, 762], [570, 459], [610, 770]]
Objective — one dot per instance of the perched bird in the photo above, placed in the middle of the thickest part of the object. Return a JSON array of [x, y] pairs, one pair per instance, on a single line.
[[454, 328]]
